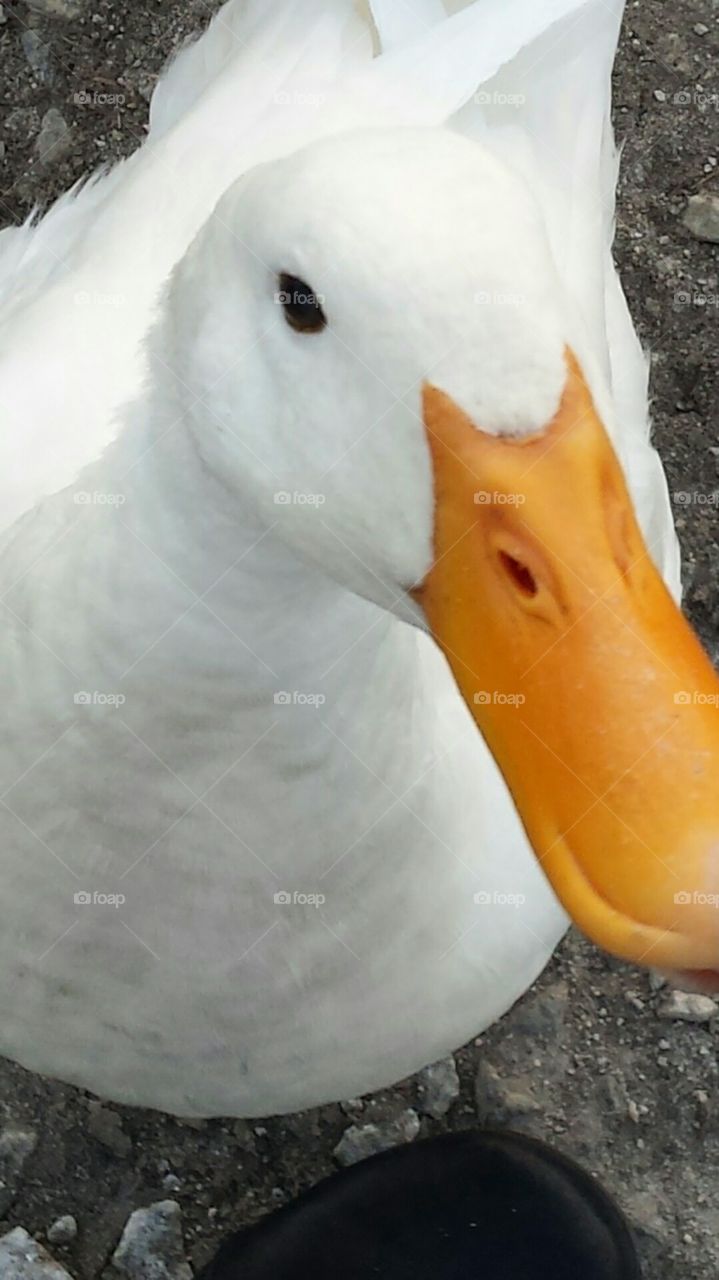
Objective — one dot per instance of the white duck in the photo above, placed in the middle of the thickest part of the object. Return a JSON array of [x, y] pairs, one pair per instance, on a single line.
[[213, 699]]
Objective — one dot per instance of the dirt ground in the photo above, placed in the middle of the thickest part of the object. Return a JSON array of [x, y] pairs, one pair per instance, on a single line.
[[587, 1059]]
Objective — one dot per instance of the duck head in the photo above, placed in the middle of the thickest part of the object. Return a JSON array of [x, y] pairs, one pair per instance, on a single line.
[[392, 374]]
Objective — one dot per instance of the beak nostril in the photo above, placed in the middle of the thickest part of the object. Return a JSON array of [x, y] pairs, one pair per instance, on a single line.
[[522, 577]]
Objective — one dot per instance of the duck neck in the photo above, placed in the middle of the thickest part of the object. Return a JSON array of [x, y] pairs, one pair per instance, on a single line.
[[227, 606]]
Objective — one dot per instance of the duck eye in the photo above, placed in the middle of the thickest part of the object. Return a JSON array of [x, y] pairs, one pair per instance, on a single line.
[[302, 306]]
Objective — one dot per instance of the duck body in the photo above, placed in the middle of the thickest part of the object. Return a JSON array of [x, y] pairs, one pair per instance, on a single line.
[[275, 1005], [200, 723]]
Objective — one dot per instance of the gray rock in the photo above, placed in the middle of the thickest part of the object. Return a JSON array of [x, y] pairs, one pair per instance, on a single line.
[[16, 1145], [56, 8], [701, 216], [152, 1247], [541, 1017], [37, 52], [106, 1127], [503, 1100], [22, 1258], [360, 1141], [438, 1087], [648, 1212], [54, 139], [63, 1231], [684, 1006], [615, 1092]]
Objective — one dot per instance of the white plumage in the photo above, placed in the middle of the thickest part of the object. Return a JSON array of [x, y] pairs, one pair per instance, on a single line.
[[145, 557]]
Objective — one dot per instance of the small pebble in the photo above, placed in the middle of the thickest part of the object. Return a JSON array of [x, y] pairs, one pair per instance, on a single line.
[[54, 139], [360, 1141], [63, 1231], [37, 52], [685, 1006], [701, 216], [504, 1100], [438, 1087], [152, 1247]]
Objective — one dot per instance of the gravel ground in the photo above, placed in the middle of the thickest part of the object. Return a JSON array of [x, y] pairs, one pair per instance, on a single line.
[[595, 1058]]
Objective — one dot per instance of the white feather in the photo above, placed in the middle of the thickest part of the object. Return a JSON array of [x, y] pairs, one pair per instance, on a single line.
[[400, 20]]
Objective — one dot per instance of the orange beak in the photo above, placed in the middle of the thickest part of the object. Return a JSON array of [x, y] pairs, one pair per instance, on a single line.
[[592, 691]]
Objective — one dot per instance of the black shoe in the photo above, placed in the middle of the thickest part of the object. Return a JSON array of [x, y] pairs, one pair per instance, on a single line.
[[465, 1206]]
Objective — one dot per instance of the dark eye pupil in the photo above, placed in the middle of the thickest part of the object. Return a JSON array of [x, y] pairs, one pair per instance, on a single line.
[[302, 306]]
